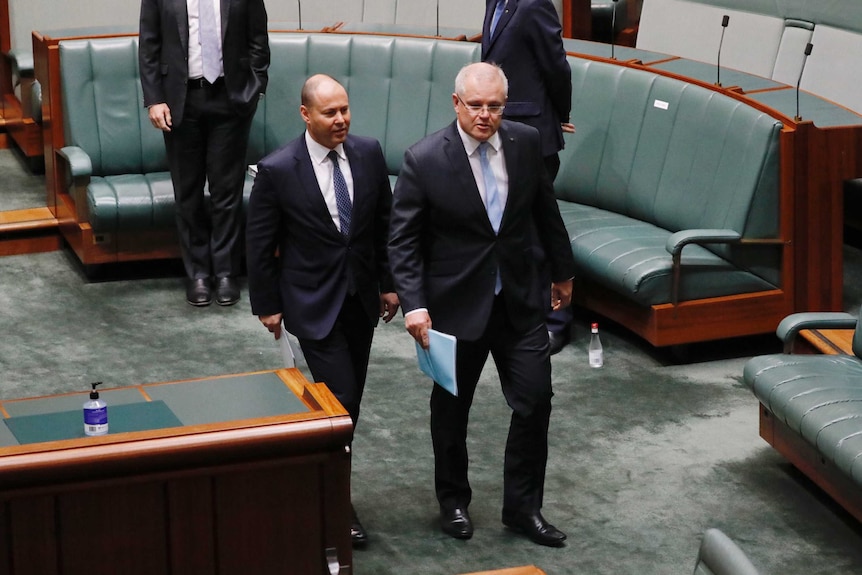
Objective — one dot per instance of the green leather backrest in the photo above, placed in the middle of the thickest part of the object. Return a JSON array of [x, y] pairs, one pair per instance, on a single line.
[[400, 88], [671, 153], [103, 110]]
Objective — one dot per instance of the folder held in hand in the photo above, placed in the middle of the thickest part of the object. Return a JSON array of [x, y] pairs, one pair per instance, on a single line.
[[438, 361]]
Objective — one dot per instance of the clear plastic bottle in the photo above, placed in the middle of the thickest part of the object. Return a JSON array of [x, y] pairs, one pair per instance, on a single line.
[[597, 358], [95, 414]]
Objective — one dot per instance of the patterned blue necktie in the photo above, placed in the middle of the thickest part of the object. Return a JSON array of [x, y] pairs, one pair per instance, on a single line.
[[342, 197], [210, 37], [498, 11], [492, 197]]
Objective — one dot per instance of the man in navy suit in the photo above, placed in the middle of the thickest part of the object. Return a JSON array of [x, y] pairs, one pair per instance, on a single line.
[[461, 248], [203, 69], [318, 223], [524, 38]]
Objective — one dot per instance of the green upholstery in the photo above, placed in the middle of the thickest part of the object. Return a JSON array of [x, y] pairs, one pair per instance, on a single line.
[[400, 91], [636, 171], [817, 396], [653, 156]]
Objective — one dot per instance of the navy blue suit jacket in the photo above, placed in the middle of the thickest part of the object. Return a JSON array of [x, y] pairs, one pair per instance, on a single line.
[[528, 46], [298, 261], [443, 250]]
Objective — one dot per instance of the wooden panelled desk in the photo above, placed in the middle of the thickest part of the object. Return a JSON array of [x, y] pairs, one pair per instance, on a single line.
[[230, 475]]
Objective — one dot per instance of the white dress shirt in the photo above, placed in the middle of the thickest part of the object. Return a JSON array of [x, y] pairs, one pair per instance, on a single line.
[[495, 158], [323, 169]]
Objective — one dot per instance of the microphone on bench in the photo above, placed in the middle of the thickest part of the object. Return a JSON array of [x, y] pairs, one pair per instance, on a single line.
[[299, 7], [808, 48], [613, 27], [724, 21]]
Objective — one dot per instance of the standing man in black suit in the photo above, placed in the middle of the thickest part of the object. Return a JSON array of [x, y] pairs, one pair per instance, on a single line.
[[203, 66], [318, 223], [524, 38], [461, 247]]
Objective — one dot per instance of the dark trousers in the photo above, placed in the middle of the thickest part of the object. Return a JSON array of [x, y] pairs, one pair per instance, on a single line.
[[524, 366], [340, 360], [210, 146]]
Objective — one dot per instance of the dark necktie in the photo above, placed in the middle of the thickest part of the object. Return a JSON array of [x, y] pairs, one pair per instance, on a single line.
[[342, 197]]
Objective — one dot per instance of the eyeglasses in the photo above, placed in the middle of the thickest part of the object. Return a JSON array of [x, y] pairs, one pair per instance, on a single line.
[[494, 109]]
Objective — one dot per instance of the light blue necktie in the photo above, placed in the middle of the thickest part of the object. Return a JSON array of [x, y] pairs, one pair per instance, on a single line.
[[342, 196], [498, 11], [210, 41], [492, 197]]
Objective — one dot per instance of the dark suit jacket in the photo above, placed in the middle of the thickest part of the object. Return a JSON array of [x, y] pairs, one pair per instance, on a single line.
[[164, 47], [443, 251], [527, 44], [307, 281]]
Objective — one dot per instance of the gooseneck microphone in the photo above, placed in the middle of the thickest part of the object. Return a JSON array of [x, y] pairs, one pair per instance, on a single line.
[[437, 20], [613, 28], [299, 8], [808, 48], [724, 21]]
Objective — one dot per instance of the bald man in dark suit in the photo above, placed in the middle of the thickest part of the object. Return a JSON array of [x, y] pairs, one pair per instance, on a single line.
[[318, 223]]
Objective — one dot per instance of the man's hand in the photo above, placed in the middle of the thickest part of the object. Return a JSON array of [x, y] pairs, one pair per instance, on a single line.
[[160, 117], [561, 294], [568, 127], [272, 323], [417, 324], [388, 306]]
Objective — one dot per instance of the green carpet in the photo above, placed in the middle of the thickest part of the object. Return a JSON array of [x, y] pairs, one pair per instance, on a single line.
[[646, 452]]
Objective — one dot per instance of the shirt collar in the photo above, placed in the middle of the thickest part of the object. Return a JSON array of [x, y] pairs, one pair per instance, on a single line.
[[471, 143], [319, 152]]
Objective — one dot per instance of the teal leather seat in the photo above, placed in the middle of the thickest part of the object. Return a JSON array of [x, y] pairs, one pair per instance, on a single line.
[[819, 397], [657, 162]]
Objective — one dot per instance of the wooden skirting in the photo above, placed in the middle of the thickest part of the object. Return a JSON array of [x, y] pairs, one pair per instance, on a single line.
[[527, 570], [28, 231]]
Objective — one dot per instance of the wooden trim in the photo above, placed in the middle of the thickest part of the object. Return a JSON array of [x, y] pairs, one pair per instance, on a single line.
[[811, 463], [826, 341], [577, 19], [526, 570]]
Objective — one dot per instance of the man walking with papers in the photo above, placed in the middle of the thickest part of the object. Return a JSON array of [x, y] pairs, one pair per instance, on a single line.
[[461, 249], [318, 221]]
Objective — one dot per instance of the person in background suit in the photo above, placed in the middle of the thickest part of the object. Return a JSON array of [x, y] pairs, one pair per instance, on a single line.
[[316, 233], [524, 38], [203, 66], [461, 249]]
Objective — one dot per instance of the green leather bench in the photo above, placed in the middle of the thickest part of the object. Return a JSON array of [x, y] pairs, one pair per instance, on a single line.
[[115, 167], [811, 406], [671, 195], [670, 190]]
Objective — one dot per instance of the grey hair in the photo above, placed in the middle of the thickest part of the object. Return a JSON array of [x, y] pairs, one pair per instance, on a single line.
[[480, 70]]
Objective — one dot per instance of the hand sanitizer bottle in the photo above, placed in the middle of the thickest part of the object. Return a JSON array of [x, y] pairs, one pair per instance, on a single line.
[[95, 414], [596, 354]]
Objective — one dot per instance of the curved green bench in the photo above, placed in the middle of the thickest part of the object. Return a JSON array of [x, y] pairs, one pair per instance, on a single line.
[[670, 190]]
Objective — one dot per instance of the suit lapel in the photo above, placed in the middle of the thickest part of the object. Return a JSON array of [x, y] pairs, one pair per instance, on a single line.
[[310, 189], [361, 187], [225, 16], [454, 150], [512, 157], [182, 11], [505, 17]]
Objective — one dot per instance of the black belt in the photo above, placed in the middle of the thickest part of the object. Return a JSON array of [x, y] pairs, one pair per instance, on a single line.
[[198, 83]]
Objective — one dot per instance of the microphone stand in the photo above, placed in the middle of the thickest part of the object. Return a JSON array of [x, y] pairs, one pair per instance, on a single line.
[[613, 28], [808, 48], [299, 8], [437, 31], [724, 21]]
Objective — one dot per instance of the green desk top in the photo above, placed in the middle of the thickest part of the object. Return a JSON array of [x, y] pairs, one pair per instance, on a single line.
[[177, 404]]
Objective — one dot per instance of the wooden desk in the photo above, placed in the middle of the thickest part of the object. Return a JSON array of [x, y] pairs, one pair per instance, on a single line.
[[254, 480], [826, 341]]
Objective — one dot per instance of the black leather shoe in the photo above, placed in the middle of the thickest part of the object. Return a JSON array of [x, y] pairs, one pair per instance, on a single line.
[[227, 291], [358, 536], [534, 526], [198, 292], [559, 340], [456, 523]]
